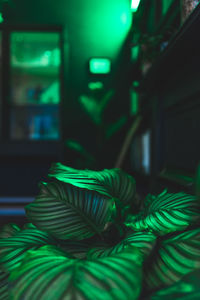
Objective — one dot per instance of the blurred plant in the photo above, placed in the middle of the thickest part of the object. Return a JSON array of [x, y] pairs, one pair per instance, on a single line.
[[187, 6], [150, 46], [85, 157], [149, 49], [96, 104], [89, 239]]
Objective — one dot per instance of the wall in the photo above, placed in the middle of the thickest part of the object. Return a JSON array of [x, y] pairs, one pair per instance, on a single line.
[[91, 28]]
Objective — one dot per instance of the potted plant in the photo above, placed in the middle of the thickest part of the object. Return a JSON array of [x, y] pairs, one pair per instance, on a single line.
[[89, 238]]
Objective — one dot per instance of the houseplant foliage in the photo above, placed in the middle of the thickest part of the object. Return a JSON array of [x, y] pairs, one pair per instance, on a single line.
[[88, 238]]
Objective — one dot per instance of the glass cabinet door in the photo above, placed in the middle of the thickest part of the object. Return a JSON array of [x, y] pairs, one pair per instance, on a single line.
[[35, 61]]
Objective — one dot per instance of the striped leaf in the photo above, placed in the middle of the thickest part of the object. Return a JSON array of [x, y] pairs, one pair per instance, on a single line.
[[46, 275], [185, 289], [29, 226], [78, 249], [175, 257], [166, 213], [9, 230], [67, 212], [144, 241], [113, 183], [14, 248], [4, 294]]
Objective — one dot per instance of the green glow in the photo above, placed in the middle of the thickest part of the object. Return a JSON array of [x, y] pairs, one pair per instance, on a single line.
[[135, 52], [136, 83], [47, 53], [100, 65], [134, 5], [35, 62], [51, 94], [1, 18], [95, 85], [180, 287], [124, 18], [43, 50], [134, 103], [106, 27]]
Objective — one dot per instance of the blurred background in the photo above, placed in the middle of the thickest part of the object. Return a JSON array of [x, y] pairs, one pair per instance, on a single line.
[[98, 84]]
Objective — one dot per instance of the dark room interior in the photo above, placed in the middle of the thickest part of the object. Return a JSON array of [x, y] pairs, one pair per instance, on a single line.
[[101, 85]]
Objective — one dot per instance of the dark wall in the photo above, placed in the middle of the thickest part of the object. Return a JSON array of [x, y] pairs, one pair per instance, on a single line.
[[91, 28]]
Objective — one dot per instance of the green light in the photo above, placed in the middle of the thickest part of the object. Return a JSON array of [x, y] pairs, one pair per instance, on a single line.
[[134, 5], [47, 53], [136, 84], [134, 53], [124, 18], [95, 85], [107, 27], [134, 103], [99, 65], [1, 18]]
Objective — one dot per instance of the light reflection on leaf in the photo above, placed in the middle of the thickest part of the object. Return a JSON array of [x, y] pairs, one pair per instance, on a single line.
[[48, 274]]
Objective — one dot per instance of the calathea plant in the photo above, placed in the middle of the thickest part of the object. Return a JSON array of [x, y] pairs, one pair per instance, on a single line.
[[89, 239]]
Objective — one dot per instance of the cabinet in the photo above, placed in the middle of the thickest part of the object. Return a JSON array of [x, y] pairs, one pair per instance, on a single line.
[[31, 107]]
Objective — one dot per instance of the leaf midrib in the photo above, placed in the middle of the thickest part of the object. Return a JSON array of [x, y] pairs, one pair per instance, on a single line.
[[87, 219]]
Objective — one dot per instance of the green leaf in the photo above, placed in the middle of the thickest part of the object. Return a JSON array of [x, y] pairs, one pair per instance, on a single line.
[[14, 243], [174, 258], [166, 213], [45, 274], [67, 212], [4, 295], [113, 183], [9, 230], [14, 248], [95, 106], [82, 151], [185, 289], [144, 241], [114, 127], [78, 249], [92, 108]]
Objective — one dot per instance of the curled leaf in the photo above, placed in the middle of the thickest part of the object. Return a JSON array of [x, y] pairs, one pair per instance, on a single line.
[[45, 274], [185, 289], [113, 183], [174, 258], [144, 241], [14, 248], [166, 213], [67, 212]]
